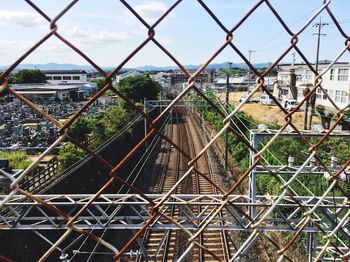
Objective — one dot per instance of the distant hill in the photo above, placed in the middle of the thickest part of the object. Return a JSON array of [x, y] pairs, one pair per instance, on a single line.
[[89, 68], [194, 67], [53, 66]]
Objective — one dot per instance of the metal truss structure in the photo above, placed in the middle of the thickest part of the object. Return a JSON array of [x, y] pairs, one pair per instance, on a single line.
[[325, 214], [34, 217]]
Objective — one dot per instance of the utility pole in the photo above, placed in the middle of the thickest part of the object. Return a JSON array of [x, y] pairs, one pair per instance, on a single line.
[[293, 55], [249, 58], [311, 237], [227, 108], [318, 25]]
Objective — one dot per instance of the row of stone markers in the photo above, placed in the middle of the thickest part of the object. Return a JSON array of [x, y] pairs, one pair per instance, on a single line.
[[22, 128]]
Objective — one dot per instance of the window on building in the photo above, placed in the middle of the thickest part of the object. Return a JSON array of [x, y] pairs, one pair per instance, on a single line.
[[320, 94], [67, 78], [301, 92], [76, 77], [341, 96], [309, 76], [337, 95], [344, 97], [325, 94], [343, 74], [284, 92], [332, 74], [49, 78], [57, 78]]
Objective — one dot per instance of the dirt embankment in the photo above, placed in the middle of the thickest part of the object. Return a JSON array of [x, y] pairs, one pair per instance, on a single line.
[[267, 114]]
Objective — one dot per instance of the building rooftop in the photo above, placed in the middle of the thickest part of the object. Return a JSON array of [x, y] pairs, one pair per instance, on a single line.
[[324, 62], [233, 80], [64, 72], [44, 87], [37, 92]]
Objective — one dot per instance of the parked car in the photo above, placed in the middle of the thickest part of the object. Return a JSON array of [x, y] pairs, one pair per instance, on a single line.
[[266, 100], [242, 98], [289, 104], [254, 99]]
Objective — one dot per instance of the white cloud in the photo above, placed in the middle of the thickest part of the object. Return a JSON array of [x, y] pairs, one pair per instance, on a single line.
[[150, 11], [101, 17], [96, 37], [21, 19]]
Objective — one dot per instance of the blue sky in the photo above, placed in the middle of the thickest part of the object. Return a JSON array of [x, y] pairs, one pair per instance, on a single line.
[[107, 32]]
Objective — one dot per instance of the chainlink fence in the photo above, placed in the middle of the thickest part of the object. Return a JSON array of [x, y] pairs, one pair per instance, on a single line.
[[325, 214]]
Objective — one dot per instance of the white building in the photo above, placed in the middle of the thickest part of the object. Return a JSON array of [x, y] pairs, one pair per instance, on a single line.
[[127, 74], [335, 82], [235, 84], [162, 78], [57, 77], [50, 92]]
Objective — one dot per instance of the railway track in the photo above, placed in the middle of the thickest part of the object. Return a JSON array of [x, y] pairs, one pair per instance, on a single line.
[[165, 245], [161, 245], [216, 241]]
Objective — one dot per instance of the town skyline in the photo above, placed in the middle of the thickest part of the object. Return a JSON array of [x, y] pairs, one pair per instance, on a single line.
[[108, 33]]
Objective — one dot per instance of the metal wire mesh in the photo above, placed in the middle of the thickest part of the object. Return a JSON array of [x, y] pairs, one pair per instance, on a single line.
[[307, 215]]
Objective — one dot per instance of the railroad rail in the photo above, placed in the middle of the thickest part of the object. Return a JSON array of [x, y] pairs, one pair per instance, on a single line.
[[216, 241], [161, 245], [164, 245]]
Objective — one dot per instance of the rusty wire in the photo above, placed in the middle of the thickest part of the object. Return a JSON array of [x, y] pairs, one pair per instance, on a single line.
[[228, 42]]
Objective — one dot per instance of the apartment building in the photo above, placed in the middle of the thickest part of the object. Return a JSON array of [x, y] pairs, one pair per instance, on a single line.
[[293, 79]]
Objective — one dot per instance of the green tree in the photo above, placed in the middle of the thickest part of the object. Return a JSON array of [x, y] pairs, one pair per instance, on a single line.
[[28, 76], [139, 87], [99, 81], [112, 121], [80, 128], [69, 154]]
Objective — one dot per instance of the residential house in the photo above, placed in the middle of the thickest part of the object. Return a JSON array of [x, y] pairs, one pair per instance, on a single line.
[[292, 80]]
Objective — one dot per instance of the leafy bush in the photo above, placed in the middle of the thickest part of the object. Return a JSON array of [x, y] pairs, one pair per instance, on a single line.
[[70, 154], [242, 123], [100, 127], [278, 152], [18, 160]]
